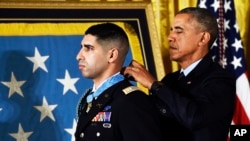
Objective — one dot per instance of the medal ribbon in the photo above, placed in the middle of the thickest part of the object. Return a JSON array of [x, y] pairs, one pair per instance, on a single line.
[[108, 83]]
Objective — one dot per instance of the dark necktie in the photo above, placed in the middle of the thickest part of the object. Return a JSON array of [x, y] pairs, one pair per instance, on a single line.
[[181, 75]]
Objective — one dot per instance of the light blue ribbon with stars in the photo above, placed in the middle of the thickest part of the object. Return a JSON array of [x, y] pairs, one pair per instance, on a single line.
[[108, 83]]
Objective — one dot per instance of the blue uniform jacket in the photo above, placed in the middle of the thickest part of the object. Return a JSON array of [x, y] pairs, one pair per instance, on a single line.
[[117, 115]]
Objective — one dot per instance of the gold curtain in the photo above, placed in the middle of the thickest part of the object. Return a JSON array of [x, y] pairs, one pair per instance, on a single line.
[[165, 10]]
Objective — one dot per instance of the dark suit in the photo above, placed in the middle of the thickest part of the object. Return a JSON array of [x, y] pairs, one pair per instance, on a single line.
[[133, 117], [200, 106]]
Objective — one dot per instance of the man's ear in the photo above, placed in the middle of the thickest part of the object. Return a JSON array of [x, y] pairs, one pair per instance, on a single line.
[[205, 38], [112, 55]]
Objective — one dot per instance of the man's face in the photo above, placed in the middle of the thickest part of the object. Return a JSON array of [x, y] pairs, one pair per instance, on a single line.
[[184, 38], [91, 57]]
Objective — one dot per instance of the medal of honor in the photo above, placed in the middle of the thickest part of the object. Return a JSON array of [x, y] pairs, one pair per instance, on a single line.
[[89, 107]]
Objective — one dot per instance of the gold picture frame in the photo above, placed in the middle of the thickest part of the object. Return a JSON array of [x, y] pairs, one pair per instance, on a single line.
[[135, 17]]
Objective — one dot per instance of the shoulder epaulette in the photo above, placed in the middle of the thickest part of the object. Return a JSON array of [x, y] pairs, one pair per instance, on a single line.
[[130, 89]]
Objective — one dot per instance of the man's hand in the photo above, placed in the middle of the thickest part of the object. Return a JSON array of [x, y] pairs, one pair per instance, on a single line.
[[139, 74]]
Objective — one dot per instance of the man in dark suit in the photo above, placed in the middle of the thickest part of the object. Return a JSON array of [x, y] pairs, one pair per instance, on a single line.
[[199, 104], [114, 109]]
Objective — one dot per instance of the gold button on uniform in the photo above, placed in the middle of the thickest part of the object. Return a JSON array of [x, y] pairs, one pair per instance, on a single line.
[[98, 134], [81, 135]]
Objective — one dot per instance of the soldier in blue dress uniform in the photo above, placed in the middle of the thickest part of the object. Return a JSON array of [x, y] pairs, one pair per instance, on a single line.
[[113, 109]]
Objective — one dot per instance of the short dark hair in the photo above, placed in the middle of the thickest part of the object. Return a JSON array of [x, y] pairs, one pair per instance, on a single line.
[[206, 19], [109, 32]]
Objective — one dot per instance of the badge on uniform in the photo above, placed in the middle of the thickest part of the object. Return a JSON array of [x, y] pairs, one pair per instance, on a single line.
[[102, 117], [106, 108], [106, 125]]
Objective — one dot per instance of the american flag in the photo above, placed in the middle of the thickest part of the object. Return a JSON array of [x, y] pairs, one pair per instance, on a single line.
[[40, 84], [228, 50]]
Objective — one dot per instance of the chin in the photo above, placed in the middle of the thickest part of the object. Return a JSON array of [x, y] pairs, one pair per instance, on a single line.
[[84, 75], [87, 76]]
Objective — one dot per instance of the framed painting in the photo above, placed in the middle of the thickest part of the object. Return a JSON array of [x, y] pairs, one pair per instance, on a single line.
[[40, 83]]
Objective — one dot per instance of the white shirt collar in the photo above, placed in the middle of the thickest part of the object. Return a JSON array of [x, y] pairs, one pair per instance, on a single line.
[[190, 67]]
